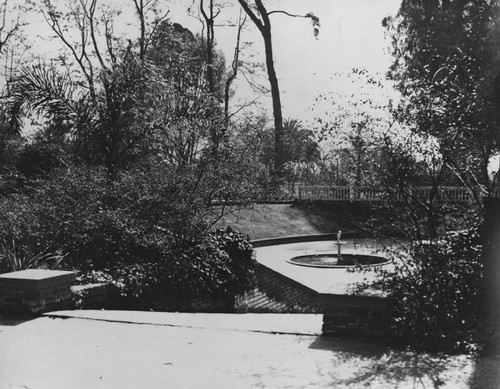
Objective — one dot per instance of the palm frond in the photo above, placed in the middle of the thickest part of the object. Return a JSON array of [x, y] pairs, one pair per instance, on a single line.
[[41, 90]]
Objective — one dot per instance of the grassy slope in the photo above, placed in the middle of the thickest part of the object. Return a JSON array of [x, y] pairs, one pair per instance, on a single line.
[[269, 221]]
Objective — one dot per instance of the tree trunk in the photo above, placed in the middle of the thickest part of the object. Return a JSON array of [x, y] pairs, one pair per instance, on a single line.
[[264, 26], [489, 324], [209, 18], [277, 113]]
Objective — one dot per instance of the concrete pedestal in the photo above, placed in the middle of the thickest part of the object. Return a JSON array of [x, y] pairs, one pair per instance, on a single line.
[[36, 290]]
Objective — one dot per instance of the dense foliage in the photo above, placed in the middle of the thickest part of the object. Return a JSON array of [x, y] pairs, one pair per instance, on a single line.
[[446, 68], [434, 294], [145, 229], [218, 267], [131, 149]]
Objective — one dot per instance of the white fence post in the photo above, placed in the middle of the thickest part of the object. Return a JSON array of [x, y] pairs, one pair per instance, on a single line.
[[296, 189]]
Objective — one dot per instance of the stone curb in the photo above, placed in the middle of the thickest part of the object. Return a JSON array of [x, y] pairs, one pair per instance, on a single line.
[[287, 324]]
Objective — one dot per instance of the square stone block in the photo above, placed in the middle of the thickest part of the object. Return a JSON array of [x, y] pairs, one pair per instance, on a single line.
[[36, 290], [36, 278]]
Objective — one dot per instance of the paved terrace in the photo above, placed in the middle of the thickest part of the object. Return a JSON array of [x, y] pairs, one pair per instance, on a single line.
[[125, 349], [118, 349]]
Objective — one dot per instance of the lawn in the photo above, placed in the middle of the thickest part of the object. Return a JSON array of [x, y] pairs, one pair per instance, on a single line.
[[276, 220]]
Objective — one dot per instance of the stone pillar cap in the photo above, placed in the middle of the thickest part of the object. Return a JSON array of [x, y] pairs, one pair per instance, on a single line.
[[36, 278]]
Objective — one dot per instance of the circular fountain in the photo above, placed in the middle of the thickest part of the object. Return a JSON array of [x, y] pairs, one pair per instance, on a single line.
[[351, 301], [338, 260], [333, 261]]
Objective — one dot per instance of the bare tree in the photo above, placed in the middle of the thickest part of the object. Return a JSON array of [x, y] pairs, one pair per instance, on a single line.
[[147, 30], [235, 65], [8, 27], [84, 52], [12, 48], [260, 17]]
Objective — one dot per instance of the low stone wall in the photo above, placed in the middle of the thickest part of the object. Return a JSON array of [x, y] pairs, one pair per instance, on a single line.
[[281, 294], [200, 304], [257, 301], [274, 293], [305, 238], [95, 296], [358, 315], [278, 294]]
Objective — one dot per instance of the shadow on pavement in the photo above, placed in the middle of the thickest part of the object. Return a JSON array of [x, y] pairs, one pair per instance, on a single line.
[[14, 319], [394, 367]]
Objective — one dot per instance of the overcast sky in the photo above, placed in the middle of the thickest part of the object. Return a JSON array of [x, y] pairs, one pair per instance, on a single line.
[[351, 36]]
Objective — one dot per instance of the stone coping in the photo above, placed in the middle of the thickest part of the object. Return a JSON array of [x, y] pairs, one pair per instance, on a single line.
[[36, 278], [304, 238], [329, 300]]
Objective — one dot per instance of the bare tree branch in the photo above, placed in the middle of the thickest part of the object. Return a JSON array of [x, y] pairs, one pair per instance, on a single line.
[[90, 16], [234, 66]]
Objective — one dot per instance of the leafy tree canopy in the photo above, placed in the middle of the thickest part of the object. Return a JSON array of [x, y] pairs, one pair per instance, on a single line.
[[446, 57]]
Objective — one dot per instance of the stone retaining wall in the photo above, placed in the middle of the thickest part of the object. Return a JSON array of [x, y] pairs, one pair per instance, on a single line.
[[359, 315], [274, 293], [279, 294], [95, 296]]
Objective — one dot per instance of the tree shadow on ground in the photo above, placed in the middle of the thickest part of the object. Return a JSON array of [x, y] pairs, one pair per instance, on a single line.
[[378, 364]]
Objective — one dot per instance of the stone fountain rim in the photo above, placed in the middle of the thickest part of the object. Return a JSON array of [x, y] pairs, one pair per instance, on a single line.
[[385, 262]]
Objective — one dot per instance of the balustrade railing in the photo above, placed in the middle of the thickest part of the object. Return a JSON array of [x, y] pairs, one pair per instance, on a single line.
[[454, 194]]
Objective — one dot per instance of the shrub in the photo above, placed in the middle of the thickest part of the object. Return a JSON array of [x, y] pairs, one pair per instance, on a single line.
[[146, 231], [189, 271], [39, 158], [434, 293], [241, 255], [219, 266], [101, 224]]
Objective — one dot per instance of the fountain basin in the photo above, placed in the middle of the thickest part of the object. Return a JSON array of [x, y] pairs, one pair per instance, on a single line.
[[346, 308], [333, 261]]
